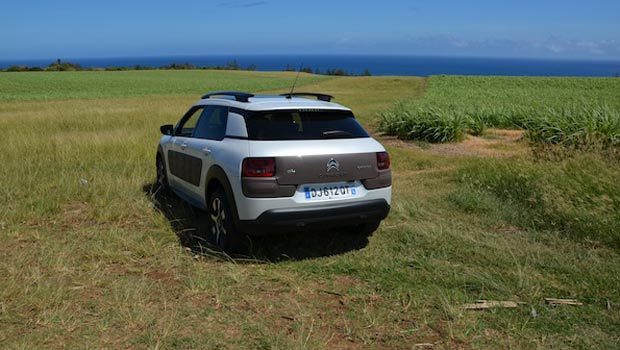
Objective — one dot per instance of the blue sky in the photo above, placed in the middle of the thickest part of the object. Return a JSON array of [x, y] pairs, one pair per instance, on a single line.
[[526, 28]]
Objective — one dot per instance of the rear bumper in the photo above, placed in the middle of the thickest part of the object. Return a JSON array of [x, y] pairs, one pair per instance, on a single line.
[[318, 217]]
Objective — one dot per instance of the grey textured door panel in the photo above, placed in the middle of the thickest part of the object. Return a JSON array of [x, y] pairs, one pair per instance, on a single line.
[[185, 167]]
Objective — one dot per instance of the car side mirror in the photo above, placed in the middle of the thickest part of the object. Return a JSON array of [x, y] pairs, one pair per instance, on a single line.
[[166, 129]]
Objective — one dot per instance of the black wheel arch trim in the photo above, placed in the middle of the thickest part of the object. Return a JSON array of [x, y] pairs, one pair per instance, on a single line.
[[160, 152], [218, 174]]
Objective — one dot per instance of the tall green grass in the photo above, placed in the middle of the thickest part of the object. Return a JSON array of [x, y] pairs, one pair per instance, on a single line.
[[428, 125], [576, 127], [563, 111], [505, 101]]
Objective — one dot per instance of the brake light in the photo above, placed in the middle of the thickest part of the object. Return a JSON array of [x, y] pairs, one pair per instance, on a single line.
[[259, 167], [383, 160]]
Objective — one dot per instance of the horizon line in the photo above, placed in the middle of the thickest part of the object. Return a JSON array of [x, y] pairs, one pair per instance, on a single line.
[[233, 56]]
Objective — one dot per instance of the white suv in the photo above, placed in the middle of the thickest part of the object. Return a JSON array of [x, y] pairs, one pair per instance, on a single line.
[[270, 164]]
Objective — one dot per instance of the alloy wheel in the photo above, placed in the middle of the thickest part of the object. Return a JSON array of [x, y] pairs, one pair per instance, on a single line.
[[218, 220]]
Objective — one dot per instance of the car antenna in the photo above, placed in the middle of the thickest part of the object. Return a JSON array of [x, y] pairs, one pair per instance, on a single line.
[[290, 95]]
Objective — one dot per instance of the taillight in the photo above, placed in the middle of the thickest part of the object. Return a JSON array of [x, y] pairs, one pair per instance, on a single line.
[[383, 160], [259, 167]]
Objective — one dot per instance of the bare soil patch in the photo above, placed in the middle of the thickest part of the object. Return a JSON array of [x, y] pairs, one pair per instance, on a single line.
[[494, 143]]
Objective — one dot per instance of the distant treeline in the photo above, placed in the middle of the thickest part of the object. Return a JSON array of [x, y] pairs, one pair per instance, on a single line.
[[60, 66], [329, 71]]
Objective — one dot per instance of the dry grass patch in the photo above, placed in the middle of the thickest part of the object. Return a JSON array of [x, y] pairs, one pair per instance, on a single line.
[[495, 143]]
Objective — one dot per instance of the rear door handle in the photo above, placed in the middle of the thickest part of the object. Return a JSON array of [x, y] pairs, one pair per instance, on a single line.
[[206, 151]]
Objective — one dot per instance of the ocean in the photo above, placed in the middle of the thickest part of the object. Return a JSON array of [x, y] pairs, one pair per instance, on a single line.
[[358, 64]]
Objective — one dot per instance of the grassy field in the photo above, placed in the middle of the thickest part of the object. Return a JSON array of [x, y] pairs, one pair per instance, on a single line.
[[27, 86], [569, 111], [91, 258]]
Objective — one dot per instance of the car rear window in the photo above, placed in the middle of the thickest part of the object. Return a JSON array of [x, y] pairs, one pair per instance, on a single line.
[[303, 125]]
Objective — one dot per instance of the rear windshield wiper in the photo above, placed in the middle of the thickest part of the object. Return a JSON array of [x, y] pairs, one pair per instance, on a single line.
[[336, 133]]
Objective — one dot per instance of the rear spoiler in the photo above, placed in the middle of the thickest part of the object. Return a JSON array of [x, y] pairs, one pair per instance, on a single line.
[[320, 97]]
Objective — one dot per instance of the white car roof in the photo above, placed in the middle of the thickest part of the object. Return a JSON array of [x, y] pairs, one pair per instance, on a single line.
[[271, 102]]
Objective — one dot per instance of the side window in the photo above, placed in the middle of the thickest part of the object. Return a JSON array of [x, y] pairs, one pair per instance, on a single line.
[[188, 123], [212, 123]]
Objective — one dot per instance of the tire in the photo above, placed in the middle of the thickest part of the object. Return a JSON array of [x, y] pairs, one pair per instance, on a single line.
[[162, 176], [222, 231], [365, 229]]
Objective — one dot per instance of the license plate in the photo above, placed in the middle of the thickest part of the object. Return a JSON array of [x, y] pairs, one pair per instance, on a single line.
[[329, 191]]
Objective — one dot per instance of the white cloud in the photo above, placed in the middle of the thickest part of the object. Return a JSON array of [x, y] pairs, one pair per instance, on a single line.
[[549, 47], [555, 48]]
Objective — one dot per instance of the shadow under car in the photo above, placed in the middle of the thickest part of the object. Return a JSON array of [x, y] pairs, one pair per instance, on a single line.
[[191, 226]]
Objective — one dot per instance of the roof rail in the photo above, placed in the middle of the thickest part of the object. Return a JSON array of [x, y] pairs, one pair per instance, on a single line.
[[320, 97], [238, 95]]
